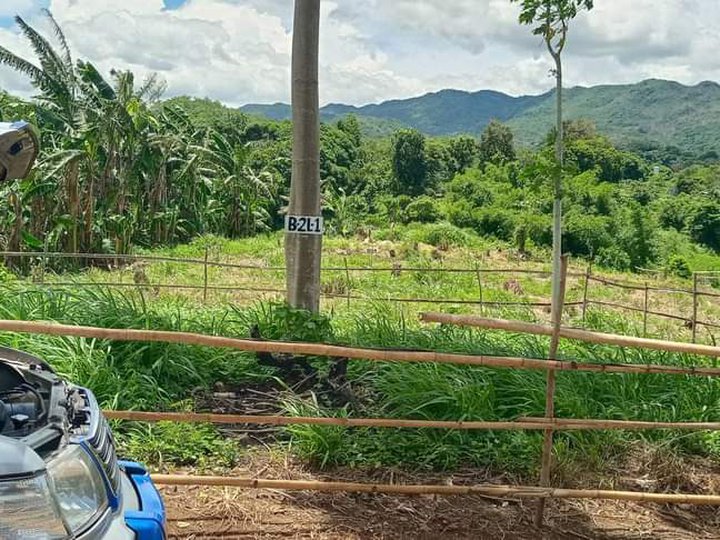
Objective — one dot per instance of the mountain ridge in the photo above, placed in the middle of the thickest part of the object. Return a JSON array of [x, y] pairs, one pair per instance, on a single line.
[[652, 112]]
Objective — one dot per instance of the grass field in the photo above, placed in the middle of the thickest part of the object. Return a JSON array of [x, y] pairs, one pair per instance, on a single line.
[[354, 271], [154, 376]]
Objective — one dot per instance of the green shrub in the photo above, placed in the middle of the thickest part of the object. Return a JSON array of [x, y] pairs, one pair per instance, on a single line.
[[391, 234], [539, 228], [279, 322], [6, 275], [460, 214], [704, 225], [421, 210], [586, 235], [614, 257], [470, 187], [177, 444], [440, 235], [495, 222], [678, 266], [444, 235]]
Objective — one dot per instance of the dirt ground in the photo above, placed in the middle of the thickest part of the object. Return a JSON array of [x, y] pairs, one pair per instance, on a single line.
[[196, 513], [200, 513]]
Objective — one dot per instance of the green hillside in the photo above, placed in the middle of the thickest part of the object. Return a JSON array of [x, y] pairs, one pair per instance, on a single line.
[[647, 115], [652, 112]]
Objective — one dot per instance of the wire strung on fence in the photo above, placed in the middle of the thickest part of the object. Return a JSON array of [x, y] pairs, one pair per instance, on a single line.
[[691, 320]]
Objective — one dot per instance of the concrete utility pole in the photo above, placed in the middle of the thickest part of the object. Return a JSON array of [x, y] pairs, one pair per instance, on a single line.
[[303, 224]]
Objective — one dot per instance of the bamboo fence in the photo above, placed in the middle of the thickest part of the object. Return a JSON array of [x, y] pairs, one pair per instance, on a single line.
[[413, 356], [691, 319], [549, 424], [577, 334], [556, 331]]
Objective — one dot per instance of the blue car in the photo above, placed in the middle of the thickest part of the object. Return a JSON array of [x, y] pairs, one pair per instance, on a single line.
[[59, 475]]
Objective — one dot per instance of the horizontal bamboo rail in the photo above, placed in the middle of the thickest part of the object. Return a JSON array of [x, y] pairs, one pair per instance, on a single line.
[[377, 355], [488, 490], [581, 335], [317, 421], [520, 424]]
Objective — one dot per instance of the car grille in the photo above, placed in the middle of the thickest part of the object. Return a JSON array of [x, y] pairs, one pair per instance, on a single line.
[[98, 438], [103, 444]]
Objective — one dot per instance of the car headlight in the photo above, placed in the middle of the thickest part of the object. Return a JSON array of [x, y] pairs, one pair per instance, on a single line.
[[78, 488], [28, 511]]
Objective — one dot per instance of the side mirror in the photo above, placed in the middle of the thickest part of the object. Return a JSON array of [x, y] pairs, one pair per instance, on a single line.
[[19, 147]]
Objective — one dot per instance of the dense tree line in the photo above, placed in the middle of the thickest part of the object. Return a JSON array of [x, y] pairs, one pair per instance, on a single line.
[[121, 168]]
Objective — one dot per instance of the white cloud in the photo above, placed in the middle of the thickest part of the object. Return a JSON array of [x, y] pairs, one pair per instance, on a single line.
[[238, 51]]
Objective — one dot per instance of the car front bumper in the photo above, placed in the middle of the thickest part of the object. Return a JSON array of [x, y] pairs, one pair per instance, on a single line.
[[144, 511], [142, 514]]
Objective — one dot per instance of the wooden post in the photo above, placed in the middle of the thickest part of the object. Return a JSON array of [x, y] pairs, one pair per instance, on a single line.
[[645, 309], [480, 287], [695, 307], [585, 293], [347, 280], [557, 311], [205, 275], [43, 265]]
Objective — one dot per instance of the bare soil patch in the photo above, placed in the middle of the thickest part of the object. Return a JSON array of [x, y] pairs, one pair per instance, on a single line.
[[199, 513]]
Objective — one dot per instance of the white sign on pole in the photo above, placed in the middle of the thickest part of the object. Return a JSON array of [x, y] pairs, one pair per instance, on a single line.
[[304, 224]]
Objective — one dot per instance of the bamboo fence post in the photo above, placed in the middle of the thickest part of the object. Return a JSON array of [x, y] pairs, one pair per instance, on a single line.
[[695, 307], [588, 272], [645, 309], [347, 280], [557, 311], [205, 275], [480, 287]]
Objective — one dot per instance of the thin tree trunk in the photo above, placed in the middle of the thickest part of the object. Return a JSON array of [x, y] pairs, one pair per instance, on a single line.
[[557, 275], [303, 251], [16, 232], [73, 198], [557, 204]]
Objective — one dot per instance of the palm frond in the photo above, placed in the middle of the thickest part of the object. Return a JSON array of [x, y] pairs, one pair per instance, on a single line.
[[21, 65], [90, 75], [50, 61], [60, 35]]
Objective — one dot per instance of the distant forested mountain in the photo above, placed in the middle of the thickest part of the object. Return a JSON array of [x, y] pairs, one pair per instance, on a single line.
[[647, 115]]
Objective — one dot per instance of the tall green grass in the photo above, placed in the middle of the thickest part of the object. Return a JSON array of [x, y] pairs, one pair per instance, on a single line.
[[156, 376], [129, 374]]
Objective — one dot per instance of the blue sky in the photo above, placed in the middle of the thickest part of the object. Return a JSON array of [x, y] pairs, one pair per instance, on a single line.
[[174, 4], [238, 51]]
